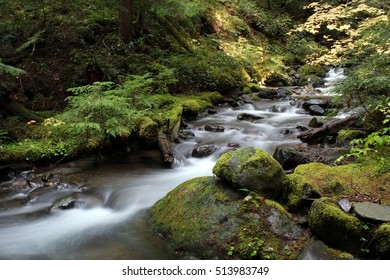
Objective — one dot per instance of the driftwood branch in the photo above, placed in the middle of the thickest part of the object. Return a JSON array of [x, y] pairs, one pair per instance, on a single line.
[[165, 144], [317, 135]]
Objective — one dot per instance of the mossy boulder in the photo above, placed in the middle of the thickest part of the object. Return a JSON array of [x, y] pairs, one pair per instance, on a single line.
[[315, 180], [205, 218], [253, 169], [300, 192], [333, 226], [381, 242], [253, 87], [148, 132]]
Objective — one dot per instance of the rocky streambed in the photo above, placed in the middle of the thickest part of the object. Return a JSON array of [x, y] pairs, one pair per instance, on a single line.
[[226, 196]]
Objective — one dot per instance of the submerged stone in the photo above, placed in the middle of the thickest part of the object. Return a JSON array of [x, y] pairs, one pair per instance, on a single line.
[[372, 211]]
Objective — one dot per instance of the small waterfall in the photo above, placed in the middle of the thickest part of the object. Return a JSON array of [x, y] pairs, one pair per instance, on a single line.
[[333, 77]]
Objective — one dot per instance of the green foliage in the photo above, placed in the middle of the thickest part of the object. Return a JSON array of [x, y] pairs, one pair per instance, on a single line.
[[376, 144], [10, 70], [206, 70], [98, 112]]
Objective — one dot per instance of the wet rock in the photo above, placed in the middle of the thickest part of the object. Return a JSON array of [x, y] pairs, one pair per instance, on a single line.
[[301, 127], [317, 250], [276, 109], [204, 150], [268, 93], [289, 157], [205, 218], [249, 117], [333, 226], [186, 134], [212, 111], [371, 211], [234, 145], [253, 169], [345, 204], [274, 93], [314, 123], [214, 128], [316, 110], [238, 104], [286, 131], [246, 99], [68, 202], [318, 102]]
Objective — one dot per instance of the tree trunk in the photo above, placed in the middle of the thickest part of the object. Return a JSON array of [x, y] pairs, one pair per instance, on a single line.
[[163, 21], [317, 135], [165, 145], [126, 21]]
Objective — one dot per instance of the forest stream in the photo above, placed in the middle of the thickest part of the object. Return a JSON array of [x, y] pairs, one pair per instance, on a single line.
[[114, 196]]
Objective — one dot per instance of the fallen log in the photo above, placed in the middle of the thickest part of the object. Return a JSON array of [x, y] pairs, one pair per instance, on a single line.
[[165, 145], [318, 135]]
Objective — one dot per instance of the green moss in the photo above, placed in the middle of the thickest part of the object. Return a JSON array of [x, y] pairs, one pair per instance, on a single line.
[[312, 69], [253, 87], [148, 131], [246, 90], [253, 169], [333, 225], [350, 134], [382, 241], [299, 189], [345, 180], [279, 207], [206, 218]]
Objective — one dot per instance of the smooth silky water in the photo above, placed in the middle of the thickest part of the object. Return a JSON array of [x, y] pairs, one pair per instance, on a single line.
[[112, 222]]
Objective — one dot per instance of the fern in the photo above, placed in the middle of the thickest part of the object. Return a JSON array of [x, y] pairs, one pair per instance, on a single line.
[[37, 37], [10, 70]]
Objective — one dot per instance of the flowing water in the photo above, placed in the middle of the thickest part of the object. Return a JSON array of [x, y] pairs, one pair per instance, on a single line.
[[110, 224]]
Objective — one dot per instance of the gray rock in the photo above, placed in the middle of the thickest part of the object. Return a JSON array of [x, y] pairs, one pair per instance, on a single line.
[[314, 123], [372, 211], [249, 117], [289, 157], [319, 102], [316, 110], [204, 150], [345, 204], [282, 225], [214, 128], [185, 134]]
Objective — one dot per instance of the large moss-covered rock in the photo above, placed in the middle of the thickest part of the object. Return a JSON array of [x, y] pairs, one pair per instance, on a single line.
[[333, 225], [317, 179], [252, 169], [206, 219], [382, 241]]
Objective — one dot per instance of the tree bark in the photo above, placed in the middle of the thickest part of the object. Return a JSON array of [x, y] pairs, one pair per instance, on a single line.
[[317, 135], [126, 21], [165, 145]]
